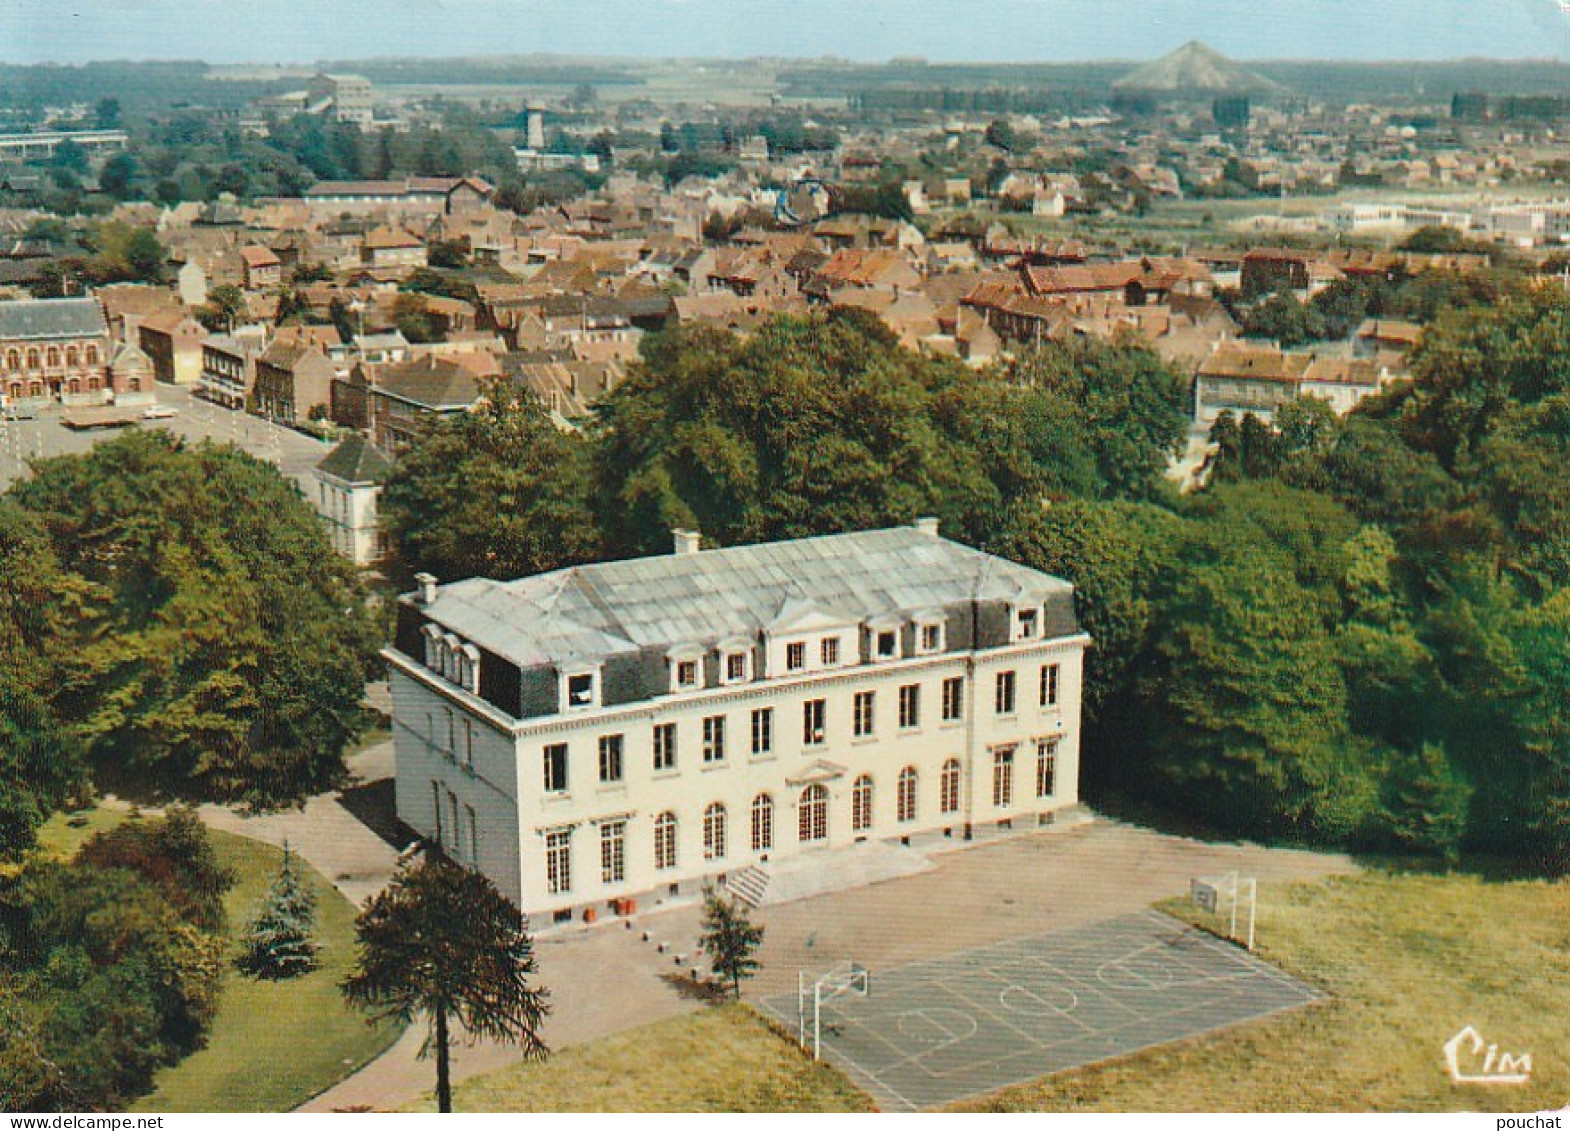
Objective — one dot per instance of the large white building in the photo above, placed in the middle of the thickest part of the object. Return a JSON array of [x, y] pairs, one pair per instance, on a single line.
[[634, 729]]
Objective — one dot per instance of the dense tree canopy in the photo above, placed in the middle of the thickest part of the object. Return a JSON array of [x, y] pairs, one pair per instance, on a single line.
[[218, 648], [498, 492]]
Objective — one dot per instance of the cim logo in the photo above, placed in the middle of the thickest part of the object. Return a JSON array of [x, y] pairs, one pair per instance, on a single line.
[[1472, 1060]]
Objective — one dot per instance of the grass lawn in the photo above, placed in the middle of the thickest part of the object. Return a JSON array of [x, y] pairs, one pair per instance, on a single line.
[[725, 1058], [273, 1044], [1410, 960]]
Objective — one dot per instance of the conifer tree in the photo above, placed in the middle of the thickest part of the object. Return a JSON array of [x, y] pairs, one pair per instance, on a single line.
[[278, 942]]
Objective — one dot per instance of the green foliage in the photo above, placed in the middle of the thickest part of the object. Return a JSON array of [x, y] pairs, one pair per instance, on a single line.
[[1118, 555], [730, 939], [1424, 805], [176, 855], [107, 979], [1243, 702], [215, 646], [498, 492], [278, 942], [224, 309], [442, 942]]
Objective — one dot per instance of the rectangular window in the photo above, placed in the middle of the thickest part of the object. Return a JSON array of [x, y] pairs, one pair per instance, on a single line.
[[687, 673], [813, 713], [763, 730], [610, 758], [468, 743], [474, 835], [558, 861], [1003, 777], [665, 747], [556, 768], [910, 706], [736, 667], [714, 738], [795, 656], [931, 637], [887, 644], [862, 714], [1005, 694], [1046, 766], [1049, 685], [436, 806], [831, 651], [1029, 624], [580, 690], [953, 698], [613, 852]]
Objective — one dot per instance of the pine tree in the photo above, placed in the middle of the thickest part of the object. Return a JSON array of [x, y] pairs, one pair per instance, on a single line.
[[729, 939], [278, 942]]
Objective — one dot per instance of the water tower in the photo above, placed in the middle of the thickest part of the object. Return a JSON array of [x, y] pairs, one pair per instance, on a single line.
[[535, 112]]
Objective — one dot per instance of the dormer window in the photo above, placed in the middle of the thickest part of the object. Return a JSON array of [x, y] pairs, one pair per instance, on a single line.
[[1027, 622], [795, 656], [831, 651], [886, 644], [738, 667], [582, 690], [687, 673], [929, 637]]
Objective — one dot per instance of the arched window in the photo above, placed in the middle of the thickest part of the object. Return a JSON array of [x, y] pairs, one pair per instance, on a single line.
[[814, 814], [861, 804], [74, 386], [762, 823], [35, 388], [53, 357], [13, 359], [92, 355], [70, 356], [92, 384], [32, 359], [134, 385], [665, 841], [948, 787], [714, 832], [16, 388], [905, 795]]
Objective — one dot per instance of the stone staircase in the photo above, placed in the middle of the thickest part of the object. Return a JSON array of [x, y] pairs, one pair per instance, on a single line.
[[750, 885]]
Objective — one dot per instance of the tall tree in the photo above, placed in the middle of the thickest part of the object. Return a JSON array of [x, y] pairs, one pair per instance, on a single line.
[[223, 646], [498, 492], [441, 941], [730, 939]]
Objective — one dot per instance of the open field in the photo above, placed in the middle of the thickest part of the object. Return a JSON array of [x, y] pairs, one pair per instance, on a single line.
[[720, 1059], [1408, 960], [274, 1044]]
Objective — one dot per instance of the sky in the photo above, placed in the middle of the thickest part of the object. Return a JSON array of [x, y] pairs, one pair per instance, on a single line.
[[302, 31]]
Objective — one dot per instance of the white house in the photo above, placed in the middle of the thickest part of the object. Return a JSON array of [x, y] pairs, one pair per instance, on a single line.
[[348, 485], [634, 729]]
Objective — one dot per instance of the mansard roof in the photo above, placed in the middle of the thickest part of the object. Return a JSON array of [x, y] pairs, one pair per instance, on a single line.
[[657, 603]]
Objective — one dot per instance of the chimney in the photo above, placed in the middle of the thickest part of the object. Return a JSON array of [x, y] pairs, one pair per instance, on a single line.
[[927, 526], [686, 541], [427, 583]]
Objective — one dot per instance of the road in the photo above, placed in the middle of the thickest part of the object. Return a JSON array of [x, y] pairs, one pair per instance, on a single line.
[[293, 453]]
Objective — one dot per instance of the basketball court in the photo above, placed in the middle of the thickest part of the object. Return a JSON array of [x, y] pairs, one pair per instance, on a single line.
[[934, 1032]]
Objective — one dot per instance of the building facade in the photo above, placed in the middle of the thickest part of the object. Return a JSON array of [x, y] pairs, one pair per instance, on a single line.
[[348, 485], [636, 729], [55, 350]]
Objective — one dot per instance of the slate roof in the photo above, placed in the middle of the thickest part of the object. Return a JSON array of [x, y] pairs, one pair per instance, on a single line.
[[356, 460], [43, 319], [587, 613], [431, 382]]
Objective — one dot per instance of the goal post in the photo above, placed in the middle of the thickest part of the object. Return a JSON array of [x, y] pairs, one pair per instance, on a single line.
[[845, 978]]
